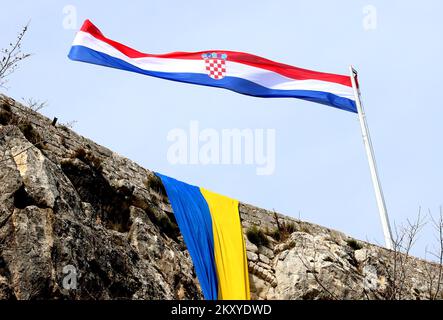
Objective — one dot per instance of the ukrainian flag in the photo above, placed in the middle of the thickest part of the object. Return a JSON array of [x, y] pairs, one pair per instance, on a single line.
[[211, 228]]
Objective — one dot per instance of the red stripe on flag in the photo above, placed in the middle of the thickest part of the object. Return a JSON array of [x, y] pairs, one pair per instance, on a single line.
[[240, 57], [287, 70], [90, 28]]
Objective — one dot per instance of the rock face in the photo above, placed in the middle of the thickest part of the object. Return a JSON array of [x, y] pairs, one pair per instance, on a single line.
[[78, 221]]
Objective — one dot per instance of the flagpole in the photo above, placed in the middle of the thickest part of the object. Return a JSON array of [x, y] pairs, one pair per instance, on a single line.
[[372, 165]]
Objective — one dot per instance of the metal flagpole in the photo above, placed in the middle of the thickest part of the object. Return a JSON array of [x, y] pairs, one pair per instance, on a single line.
[[372, 165]]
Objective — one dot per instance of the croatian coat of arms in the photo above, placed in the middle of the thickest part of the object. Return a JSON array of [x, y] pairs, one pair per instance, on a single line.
[[215, 64]]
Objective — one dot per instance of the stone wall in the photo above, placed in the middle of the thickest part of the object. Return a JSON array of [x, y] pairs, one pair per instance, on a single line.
[[67, 202]]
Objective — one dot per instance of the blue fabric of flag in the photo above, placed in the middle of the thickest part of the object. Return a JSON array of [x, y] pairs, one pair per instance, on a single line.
[[196, 230]]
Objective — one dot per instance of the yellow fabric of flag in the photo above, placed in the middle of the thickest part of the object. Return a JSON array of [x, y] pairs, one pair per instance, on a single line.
[[229, 247]]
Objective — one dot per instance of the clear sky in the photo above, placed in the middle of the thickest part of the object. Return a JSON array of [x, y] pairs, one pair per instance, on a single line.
[[321, 172]]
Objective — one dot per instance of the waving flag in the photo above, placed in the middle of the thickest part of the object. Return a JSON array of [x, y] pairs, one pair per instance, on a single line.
[[211, 227], [237, 71]]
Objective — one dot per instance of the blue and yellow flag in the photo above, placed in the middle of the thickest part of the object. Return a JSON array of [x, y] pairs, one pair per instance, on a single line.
[[211, 228]]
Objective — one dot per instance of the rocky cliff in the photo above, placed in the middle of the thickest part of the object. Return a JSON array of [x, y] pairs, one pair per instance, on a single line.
[[78, 221]]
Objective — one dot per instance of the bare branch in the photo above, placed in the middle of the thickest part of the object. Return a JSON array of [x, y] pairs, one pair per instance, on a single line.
[[34, 104], [438, 227], [11, 57], [399, 271], [69, 124]]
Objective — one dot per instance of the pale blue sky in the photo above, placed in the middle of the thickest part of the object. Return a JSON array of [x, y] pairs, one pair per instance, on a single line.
[[321, 168]]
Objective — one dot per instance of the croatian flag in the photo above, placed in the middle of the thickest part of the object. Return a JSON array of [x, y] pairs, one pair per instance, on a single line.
[[237, 71]]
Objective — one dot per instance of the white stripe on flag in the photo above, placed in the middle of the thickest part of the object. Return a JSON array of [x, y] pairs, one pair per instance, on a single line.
[[263, 77]]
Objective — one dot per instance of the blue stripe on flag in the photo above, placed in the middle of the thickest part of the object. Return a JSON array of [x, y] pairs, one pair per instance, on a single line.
[[85, 54]]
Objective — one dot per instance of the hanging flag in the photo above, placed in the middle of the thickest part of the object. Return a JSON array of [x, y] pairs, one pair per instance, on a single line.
[[212, 231], [229, 247], [237, 71]]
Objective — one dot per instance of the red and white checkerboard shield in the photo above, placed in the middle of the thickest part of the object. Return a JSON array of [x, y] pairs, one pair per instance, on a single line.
[[215, 65]]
